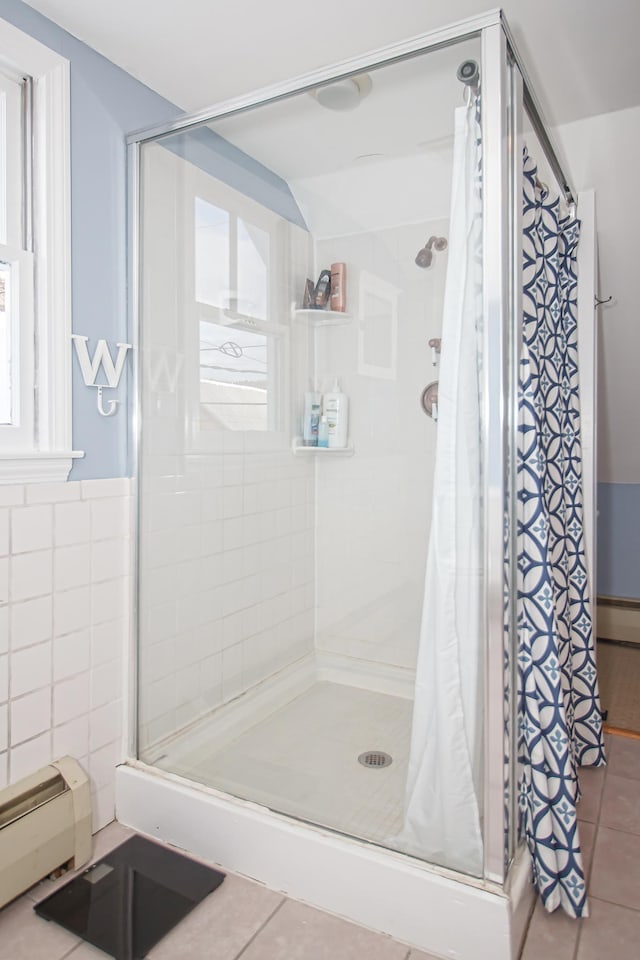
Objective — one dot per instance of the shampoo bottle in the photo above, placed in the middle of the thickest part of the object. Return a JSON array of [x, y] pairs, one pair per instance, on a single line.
[[311, 418], [336, 410], [338, 287]]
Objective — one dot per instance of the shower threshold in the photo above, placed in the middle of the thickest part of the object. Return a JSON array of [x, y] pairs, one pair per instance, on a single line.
[[431, 908]]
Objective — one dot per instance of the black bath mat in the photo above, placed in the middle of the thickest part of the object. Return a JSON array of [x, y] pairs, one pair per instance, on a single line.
[[128, 901]]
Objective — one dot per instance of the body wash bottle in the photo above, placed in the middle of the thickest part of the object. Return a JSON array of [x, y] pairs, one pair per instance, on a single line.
[[311, 418], [335, 408]]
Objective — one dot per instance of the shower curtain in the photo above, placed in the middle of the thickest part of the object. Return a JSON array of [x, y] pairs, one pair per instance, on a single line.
[[559, 709], [442, 814]]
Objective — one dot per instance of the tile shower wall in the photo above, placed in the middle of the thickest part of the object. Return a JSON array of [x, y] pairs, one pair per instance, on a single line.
[[374, 508], [64, 623], [226, 595]]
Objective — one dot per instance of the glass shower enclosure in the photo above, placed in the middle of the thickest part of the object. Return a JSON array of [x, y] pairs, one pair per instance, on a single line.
[[325, 294]]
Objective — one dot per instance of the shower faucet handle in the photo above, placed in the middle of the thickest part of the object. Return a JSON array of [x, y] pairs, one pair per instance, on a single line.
[[435, 343]]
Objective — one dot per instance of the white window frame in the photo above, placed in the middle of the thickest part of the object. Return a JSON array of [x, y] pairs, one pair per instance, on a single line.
[[43, 451], [205, 186]]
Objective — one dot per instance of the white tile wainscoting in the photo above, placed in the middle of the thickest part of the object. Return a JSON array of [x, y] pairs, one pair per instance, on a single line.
[[64, 622]]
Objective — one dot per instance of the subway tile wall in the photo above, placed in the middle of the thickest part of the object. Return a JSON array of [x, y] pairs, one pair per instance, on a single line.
[[64, 625], [226, 577], [373, 510]]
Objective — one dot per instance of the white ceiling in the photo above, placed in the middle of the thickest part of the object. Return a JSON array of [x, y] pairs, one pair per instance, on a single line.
[[582, 55]]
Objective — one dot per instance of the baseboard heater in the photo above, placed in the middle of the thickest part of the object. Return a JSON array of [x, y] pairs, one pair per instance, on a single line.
[[618, 619], [45, 826]]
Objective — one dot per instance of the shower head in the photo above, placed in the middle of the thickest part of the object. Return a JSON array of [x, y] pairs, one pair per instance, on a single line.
[[425, 254], [469, 73]]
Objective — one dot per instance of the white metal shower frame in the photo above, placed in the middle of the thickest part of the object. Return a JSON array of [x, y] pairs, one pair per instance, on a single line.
[[506, 93]]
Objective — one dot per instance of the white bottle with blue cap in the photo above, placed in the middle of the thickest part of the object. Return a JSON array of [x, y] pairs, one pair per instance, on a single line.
[[335, 407]]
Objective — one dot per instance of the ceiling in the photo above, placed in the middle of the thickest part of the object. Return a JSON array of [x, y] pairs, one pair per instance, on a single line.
[[581, 55], [408, 112]]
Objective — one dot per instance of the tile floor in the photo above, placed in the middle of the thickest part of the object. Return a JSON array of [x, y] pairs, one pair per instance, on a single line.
[[609, 814], [245, 919], [619, 682]]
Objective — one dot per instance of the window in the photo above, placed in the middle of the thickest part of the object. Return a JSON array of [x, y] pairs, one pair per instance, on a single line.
[[240, 342], [35, 316]]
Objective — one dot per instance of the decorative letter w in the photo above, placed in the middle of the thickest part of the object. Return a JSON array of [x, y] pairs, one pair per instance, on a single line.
[[101, 357]]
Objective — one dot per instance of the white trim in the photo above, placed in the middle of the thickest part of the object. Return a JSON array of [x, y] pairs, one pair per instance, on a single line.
[[37, 466], [52, 242], [522, 897], [437, 910], [373, 675], [18, 434], [52, 232], [588, 367]]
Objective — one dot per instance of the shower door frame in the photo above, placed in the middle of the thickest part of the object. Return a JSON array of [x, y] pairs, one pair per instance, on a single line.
[[501, 275]]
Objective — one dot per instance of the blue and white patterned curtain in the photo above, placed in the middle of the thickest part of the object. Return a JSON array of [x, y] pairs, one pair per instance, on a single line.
[[559, 708]]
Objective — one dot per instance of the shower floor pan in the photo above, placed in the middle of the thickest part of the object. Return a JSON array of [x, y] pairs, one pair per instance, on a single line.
[[303, 760]]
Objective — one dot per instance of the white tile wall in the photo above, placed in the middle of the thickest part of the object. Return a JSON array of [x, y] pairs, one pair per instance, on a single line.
[[64, 624], [222, 557], [373, 510]]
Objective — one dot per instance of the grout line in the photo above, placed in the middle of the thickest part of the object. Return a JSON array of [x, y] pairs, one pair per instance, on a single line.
[[73, 949], [615, 903], [261, 928]]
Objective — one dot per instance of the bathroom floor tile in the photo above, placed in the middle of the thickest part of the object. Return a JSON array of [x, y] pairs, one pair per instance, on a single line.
[[298, 932], [84, 951], [551, 936], [24, 936], [621, 804], [615, 872], [610, 931], [624, 757], [587, 838], [222, 924]]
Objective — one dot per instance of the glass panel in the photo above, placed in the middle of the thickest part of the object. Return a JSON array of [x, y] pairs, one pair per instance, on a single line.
[[212, 255], [253, 271], [287, 468], [233, 376], [11, 160], [5, 344]]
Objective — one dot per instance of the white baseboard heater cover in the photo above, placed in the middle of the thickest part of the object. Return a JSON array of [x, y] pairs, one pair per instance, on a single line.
[[45, 824]]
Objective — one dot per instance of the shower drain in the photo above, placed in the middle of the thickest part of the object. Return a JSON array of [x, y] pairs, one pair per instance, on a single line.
[[375, 758]]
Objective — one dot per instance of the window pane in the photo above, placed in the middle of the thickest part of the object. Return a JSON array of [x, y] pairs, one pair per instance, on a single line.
[[5, 344], [212, 256], [11, 160], [233, 377], [253, 267]]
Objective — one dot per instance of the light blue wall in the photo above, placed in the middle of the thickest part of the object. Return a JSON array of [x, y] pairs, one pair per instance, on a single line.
[[107, 103], [619, 540]]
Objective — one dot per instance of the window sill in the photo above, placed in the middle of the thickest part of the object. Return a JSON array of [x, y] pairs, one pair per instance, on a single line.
[[37, 467]]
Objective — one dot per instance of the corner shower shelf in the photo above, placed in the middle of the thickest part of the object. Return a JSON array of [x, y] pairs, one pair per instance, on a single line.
[[299, 450], [324, 318]]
